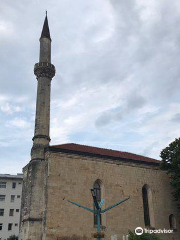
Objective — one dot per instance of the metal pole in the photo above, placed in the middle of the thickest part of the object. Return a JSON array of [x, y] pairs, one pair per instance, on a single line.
[[99, 224]]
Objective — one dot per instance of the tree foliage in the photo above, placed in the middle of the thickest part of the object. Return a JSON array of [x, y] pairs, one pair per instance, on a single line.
[[171, 163]]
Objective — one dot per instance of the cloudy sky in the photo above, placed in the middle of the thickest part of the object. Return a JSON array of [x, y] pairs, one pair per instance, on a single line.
[[117, 83]]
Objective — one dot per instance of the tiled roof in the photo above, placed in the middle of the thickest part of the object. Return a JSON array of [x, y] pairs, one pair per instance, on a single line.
[[72, 147]]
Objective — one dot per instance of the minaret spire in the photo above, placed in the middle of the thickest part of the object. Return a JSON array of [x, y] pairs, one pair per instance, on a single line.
[[45, 31]]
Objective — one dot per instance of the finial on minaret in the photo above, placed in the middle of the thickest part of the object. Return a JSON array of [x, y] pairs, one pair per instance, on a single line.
[[45, 31]]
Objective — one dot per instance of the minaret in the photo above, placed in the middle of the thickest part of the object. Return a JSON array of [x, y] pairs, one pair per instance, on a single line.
[[44, 72], [33, 212]]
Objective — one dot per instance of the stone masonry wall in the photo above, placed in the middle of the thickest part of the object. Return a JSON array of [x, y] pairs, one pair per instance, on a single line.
[[70, 177], [33, 201]]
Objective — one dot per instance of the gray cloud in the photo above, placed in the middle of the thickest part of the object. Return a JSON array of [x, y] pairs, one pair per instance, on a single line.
[[176, 118], [135, 101], [132, 103]]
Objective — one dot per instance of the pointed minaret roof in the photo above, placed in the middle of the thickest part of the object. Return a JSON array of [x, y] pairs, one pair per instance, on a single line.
[[45, 31]]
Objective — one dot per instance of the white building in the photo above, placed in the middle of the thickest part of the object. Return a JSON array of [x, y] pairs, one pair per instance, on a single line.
[[10, 204]]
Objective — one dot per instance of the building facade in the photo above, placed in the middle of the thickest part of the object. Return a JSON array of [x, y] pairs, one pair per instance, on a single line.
[[10, 204], [64, 172]]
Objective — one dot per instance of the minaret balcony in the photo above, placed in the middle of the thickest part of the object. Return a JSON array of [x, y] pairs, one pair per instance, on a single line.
[[44, 69]]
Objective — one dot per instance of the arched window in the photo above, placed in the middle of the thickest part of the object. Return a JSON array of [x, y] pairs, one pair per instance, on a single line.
[[146, 206], [149, 220], [172, 222], [97, 191]]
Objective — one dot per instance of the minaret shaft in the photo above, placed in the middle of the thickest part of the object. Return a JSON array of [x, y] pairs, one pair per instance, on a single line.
[[45, 50], [44, 72], [42, 121], [34, 187]]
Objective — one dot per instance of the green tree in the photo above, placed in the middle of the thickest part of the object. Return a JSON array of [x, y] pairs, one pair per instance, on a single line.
[[171, 163], [144, 236]]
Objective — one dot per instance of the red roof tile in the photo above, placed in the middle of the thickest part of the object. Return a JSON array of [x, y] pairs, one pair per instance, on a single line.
[[103, 152]]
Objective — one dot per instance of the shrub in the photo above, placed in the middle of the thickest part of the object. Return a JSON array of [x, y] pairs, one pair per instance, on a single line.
[[73, 237], [144, 236], [13, 237]]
